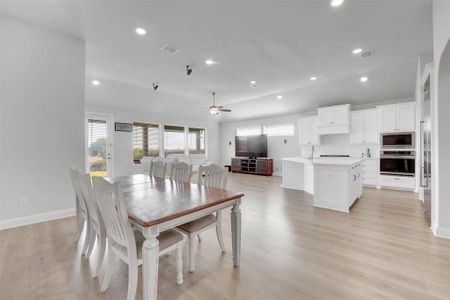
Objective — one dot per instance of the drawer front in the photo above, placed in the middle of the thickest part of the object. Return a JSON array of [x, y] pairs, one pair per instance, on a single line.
[[370, 165], [370, 181], [370, 174], [397, 182]]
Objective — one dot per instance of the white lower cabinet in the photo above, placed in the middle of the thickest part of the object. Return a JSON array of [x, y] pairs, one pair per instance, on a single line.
[[397, 182], [370, 172]]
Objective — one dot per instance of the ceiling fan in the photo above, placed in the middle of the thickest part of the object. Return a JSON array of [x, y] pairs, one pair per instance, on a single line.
[[215, 109]]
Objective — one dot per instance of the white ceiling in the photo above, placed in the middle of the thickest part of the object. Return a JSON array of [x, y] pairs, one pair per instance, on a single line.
[[278, 43]]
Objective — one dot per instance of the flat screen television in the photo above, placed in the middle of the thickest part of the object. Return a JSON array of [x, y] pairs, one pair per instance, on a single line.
[[251, 146]]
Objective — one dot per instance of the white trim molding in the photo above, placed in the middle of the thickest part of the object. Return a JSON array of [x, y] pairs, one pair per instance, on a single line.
[[443, 232], [38, 218]]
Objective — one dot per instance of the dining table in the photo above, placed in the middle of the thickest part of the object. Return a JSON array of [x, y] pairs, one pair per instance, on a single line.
[[158, 204]]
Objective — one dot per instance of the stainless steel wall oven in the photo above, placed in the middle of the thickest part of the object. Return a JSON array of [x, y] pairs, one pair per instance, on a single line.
[[397, 162]]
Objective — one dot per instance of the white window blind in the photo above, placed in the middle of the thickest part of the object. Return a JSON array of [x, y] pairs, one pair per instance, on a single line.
[[196, 140], [145, 140], [249, 130], [286, 129]]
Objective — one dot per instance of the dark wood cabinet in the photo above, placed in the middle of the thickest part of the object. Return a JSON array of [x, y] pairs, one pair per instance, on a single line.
[[259, 166]]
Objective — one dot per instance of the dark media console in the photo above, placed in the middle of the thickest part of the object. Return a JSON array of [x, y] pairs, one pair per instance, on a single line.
[[258, 166]]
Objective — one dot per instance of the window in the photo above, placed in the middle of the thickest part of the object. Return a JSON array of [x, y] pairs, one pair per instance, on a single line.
[[174, 140], [196, 141], [97, 134], [145, 141], [286, 129], [250, 130]]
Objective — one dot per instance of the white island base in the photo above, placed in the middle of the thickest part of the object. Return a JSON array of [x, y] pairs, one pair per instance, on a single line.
[[335, 182]]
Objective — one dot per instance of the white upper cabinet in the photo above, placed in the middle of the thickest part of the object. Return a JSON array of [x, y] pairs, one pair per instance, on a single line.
[[356, 127], [307, 130], [397, 118], [388, 118], [334, 119], [406, 116], [371, 126], [364, 127]]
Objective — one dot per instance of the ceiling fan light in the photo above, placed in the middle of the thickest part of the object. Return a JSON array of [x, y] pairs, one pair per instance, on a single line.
[[214, 110]]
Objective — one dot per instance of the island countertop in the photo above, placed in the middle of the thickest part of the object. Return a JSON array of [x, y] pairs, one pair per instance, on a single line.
[[336, 161]]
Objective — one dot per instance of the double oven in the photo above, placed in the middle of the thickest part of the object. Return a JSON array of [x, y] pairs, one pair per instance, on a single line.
[[398, 155]]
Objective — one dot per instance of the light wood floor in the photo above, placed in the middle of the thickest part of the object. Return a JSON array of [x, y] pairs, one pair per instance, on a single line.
[[383, 249]]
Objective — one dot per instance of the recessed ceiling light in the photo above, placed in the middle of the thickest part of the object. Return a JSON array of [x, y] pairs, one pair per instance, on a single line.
[[313, 78], [357, 51], [95, 82], [253, 82], [141, 31], [279, 97], [336, 3], [363, 79], [210, 62]]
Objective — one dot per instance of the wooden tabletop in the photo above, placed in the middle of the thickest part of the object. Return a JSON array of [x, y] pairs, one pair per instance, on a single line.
[[153, 201]]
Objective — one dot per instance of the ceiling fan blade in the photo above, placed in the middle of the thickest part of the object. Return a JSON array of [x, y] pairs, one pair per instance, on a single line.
[[225, 110]]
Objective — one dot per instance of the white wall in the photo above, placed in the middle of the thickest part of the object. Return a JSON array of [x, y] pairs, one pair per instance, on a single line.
[[123, 143], [277, 149], [440, 113], [276, 146], [42, 108]]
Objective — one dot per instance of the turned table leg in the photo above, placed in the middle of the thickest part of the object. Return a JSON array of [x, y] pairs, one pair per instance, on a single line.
[[150, 256], [236, 232]]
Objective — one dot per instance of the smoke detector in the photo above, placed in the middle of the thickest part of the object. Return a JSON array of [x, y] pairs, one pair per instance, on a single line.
[[367, 53], [171, 49]]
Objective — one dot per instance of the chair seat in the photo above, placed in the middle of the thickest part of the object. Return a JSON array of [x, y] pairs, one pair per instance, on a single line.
[[166, 239], [198, 224]]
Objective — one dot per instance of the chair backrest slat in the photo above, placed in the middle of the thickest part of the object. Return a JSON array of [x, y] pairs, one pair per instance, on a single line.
[[158, 168], [181, 171], [114, 211], [86, 192], [212, 176], [74, 173]]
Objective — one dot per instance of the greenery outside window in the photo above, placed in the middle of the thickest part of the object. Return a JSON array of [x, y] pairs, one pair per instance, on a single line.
[[145, 141]]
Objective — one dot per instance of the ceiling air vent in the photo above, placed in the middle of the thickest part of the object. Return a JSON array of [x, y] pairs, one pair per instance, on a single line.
[[367, 53], [170, 49]]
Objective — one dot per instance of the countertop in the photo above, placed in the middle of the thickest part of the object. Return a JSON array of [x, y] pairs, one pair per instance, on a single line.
[[336, 161]]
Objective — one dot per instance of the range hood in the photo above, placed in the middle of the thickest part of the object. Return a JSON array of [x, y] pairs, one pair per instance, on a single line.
[[334, 119]]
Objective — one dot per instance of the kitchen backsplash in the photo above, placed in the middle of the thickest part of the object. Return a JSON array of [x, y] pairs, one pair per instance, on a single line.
[[340, 144]]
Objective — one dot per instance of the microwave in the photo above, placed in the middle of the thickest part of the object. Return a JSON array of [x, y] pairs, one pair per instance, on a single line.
[[404, 140]]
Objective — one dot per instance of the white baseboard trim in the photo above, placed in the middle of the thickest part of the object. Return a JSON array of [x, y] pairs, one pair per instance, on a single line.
[[443, 232], [38, 218]]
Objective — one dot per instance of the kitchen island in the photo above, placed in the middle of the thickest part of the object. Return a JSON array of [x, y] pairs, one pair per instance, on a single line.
[[335, 182]]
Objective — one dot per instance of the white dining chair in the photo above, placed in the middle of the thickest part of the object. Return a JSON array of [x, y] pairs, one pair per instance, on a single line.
[[95, 230], [209, 176], [81, 211], [158, 168], [181, 172], [125, 243]]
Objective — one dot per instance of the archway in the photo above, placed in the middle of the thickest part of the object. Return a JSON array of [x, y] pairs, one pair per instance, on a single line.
[[443, 113]]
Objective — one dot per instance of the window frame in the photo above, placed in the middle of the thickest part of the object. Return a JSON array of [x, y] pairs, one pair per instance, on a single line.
[[163, 146], [248, 127], [278, 124], [198, 150], [145, 126]]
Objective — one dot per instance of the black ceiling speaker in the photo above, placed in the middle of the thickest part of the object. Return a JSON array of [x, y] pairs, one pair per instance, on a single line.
[[188, 70]]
